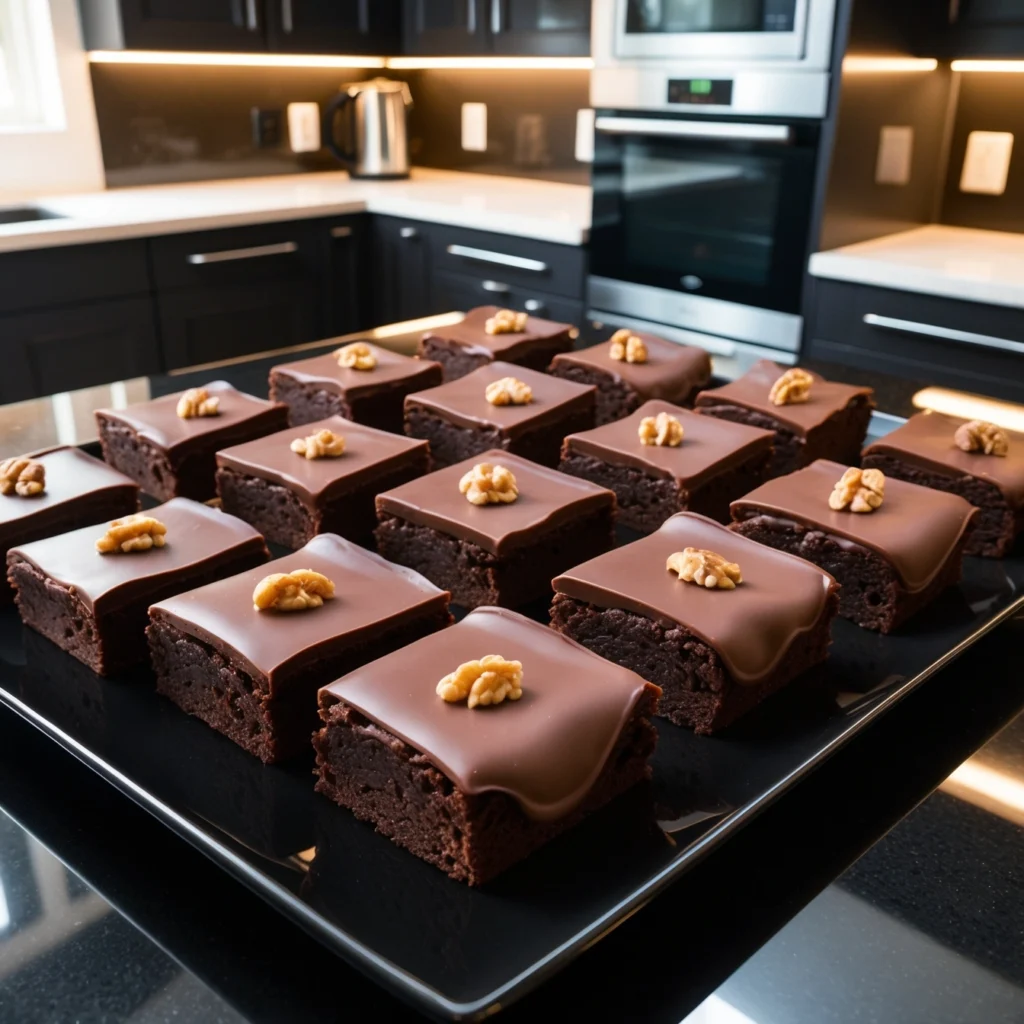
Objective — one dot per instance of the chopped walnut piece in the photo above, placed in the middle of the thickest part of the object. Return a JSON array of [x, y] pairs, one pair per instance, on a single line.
[[485, 484], [292, 591], [705, 568], [22, 476], [324, 444], [357, 356], [625, 346], [979, 436], [490, 680], [505, 321], [860, 490], [508, 391], [793, 387], [663, 430], [137, 532], [197, 402]]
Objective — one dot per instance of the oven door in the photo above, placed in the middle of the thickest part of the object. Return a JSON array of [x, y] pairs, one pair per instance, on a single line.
[[719, 209]]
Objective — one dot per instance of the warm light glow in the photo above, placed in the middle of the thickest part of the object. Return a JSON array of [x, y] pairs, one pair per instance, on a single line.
[[883, 64], [425, 323], [988, 788], [237, 60], [493, 63], [988, 65], [971, 407]]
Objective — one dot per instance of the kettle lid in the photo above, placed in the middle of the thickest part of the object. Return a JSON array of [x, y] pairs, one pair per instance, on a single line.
[[375, 85]]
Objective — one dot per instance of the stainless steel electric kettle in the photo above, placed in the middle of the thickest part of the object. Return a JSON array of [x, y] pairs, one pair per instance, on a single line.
[[373, 115]]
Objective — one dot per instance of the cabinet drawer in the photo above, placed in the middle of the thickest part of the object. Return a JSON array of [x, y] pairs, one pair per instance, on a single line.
[[459, 291], [517, 262]]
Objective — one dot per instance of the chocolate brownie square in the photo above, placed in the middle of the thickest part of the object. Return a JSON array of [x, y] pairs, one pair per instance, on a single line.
[[715, 651], [168, 445], [94, 605], [667, 371], [474, 789], [890, 562], [470, 344], [655, 473], [502, 553], [321, 386], [924, 451], [290, 497], [253, 674], [77, 490], [460, 419], [830, 423]]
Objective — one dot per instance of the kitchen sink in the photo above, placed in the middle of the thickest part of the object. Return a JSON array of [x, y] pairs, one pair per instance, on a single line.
[[19, 214]]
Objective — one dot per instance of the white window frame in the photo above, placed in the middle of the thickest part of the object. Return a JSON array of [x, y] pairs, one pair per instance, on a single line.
[[32, 100]]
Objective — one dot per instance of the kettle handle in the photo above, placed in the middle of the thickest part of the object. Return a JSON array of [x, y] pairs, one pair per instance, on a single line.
[[347, 155]]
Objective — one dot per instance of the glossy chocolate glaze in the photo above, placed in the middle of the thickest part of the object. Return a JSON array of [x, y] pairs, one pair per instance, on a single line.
[[463, 401], [545, 750], [926, 440], [671, 372], [70, 475], [546, 499], [197, 536], [710, 445], [750, 627], [915, 529], [158, 422], [392, 370], [368, 454], [370, 595], [751, 392], [470, 335]]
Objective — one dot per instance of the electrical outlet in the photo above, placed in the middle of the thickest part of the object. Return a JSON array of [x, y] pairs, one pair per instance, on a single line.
[[987, 163], [895, 151], [266, 128], [585, 136], [304, 127], [474, 127]]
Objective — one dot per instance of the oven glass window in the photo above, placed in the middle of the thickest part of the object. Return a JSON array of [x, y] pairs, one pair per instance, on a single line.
[[646, 17]]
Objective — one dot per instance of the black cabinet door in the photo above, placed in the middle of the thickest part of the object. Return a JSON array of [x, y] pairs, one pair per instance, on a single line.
[[192, 24], [461, 292], [982, 28], [75, 347], [445, 27], [550, 28], [401, 270], [333, 26], [346, 244]]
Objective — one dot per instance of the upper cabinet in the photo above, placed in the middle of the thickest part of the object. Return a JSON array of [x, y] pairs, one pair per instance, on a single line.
[[978, 28], [333, 26], [228, 25], [448, 27]]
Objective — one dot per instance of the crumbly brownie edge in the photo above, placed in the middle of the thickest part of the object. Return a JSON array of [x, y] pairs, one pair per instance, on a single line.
[[306, 402], [276, 511], [788, 454], [455, 361], [147, 465], [450, 443], [615, 398]]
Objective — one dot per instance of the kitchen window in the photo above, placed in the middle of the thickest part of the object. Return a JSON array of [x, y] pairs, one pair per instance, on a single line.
[[29, 82]]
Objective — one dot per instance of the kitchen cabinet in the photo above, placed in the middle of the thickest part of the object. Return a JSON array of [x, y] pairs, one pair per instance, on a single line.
[[540, 27], [977, 28], [458, 291], [333, 26], [345, 242], [447, 27], [401, 270]]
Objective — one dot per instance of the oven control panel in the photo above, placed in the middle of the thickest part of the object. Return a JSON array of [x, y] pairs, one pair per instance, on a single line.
[[711, 92]]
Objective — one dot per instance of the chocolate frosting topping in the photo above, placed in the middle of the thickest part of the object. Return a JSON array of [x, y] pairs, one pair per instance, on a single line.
[[710, 445], [239, 414], [462, 401], [197, 535], [915, 528], [671, 372], [392, 370], [370, 595], [546, 499], [751, 627], [470, 334], [751, 392], [545, 750], [368, 453], [926, 440]]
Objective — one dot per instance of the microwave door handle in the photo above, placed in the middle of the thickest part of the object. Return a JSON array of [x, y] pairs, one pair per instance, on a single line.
[[695, 129]]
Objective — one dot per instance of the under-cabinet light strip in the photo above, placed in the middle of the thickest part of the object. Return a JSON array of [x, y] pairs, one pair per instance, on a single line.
[[971, 407], [989, 65], [889, 64], [492, 63]]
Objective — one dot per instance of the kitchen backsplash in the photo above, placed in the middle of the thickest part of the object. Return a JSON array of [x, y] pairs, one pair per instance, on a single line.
[[166, 123]]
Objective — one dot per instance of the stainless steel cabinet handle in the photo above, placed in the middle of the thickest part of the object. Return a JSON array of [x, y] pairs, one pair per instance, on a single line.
[[286, 16], [496, 26], [408, 233], [534, 306], [227, 255], [694, 129], [471, 17], [341, 231], [364, 17], [500, 259], [252, 21], [495, 286], [942, 333]]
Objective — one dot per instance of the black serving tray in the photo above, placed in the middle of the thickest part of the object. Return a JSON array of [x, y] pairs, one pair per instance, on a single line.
[[451, 951]]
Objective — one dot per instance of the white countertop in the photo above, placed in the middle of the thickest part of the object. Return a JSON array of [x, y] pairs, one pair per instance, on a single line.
[[548, 211], [957, 263]]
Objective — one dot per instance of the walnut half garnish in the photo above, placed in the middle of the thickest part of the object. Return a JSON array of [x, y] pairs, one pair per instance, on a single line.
[[197, 402], [490, 680], [22, 476], [357, 356], [505, 321], [980, 436], [485, 484], [324, 444], [137, 532], [626, 347], [663, 430], [293, 591], [860, 490], [705, 568], [792, 388], [508, 391]]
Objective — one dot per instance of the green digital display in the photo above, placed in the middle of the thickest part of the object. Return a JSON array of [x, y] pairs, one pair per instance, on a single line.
[[712, 92], [701, 86]]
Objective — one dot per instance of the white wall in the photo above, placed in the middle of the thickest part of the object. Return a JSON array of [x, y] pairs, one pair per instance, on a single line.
[[69, 160]]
